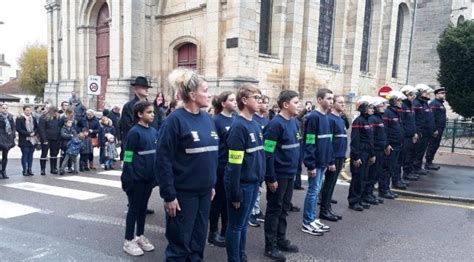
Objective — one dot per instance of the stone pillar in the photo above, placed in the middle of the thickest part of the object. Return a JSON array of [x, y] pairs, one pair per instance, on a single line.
[[212, 40]]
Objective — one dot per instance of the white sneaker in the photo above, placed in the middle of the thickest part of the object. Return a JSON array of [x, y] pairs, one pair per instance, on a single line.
[[144, 243], [323, 227], [131, 247], [312, 230], [102, 165]]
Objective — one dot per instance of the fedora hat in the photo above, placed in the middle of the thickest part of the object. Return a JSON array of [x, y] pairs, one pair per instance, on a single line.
[[141, 81]]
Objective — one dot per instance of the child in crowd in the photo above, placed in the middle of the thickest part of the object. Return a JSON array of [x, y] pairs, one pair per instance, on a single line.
[[106, 128], [72, 151], [110, 151], [86, 149], [67, 133]]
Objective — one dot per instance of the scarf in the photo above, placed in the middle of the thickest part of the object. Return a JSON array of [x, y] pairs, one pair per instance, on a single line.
[[8, 127], [30, 127]]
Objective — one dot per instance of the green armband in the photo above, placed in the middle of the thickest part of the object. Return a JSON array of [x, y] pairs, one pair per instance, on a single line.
[[236, 157], [269, 146], [128, 156], [310, 139]]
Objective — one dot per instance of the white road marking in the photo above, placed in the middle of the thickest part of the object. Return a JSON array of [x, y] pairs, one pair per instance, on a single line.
[[111, 173], [92, 180], [113, 221], [56, 191], [10, 209]]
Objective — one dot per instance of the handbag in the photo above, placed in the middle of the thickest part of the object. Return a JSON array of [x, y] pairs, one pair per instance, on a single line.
[[95, 141], [6, 142]]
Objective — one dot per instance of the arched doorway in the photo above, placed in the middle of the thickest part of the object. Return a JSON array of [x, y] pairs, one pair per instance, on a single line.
[[460, 20], [187, 56], [102, 52]]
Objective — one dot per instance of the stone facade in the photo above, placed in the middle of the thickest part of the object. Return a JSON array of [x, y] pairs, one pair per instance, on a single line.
[[145, 36]]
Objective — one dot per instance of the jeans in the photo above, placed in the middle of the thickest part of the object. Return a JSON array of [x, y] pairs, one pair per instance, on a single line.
[[137, 203], [27, 157], [311, 199], [186, 232], [108, 163], [236, 234], [278, 206], [256, 208]]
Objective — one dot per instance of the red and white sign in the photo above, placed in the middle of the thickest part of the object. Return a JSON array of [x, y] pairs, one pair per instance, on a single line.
[[384, 90], [93, 85]]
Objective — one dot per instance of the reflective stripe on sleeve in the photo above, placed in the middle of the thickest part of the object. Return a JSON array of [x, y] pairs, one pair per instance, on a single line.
[[147, 152], [342, 135], [290, 146], [201, 149], [325, 136], [254, 149]]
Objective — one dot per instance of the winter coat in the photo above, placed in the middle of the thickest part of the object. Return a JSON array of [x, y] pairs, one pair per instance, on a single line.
[[74, 146], [23, 134], [49, 129]]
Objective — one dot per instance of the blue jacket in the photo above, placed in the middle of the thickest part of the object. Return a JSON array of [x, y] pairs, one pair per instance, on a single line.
[[408, 119], [439, 113], [318, 144], [423, 117], [393, 126], [74, 146]]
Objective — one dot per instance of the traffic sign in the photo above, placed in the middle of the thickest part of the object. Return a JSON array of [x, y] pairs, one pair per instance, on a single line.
[[384, 90], [93, 85]]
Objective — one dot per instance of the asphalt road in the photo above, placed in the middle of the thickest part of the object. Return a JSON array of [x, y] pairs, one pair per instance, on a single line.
[[89, 226]]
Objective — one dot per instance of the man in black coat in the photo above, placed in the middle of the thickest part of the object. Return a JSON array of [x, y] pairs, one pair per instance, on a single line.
[[439, 114]]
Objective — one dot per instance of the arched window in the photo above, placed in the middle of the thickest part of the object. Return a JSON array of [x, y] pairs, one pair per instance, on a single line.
[[398, 40], [326, 22], [364, 59], [187, 56], [460, 20], [265, 26]]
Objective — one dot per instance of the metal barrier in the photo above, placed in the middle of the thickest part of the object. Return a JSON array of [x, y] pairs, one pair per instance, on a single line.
[[458, 135]]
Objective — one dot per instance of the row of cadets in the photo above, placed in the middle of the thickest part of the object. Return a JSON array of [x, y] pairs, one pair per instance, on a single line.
[[339, 144], [225, 106]]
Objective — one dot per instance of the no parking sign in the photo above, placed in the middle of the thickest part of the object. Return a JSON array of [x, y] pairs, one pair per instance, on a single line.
[[93, 85]]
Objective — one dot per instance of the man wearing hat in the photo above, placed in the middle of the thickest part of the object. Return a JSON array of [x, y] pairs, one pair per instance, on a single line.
[[439, 114], [126, 122]]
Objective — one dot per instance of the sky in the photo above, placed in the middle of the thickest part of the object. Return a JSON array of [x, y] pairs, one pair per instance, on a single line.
[[25, 22]]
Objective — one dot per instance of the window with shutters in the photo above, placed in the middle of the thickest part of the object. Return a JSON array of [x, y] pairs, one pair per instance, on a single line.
[[364, 59], [325, 34], [398, 41], [265, 26], [187, 56]]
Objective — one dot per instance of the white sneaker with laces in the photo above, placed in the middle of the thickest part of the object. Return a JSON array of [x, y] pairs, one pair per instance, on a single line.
[[102, 165], [131, 247], [323, 227], [144, 243], [312, 230]]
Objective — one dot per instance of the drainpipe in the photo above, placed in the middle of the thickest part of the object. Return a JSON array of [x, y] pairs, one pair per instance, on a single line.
[[413, 20]]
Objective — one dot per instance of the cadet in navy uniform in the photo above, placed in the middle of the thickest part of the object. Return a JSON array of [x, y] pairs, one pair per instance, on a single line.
[[317, 158], [261, 117], [138, 178], [362, 153], [395, 137], [244, 171], [186, 165], [439, 114], [424, 125], [282, 151], [381, 147], [339, 145], [410, 133], [224, 108]]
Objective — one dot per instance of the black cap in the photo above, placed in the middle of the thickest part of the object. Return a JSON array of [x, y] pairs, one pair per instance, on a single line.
[[141, 81], [439, 89]]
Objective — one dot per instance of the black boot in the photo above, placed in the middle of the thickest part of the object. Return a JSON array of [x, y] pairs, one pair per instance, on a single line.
[[399, 185], [326, 215], [274, 254], [43, 172], [430, 166], [30, 173], [53, 165], [386, 194], [25, 173], [216, 239], [4, 175]]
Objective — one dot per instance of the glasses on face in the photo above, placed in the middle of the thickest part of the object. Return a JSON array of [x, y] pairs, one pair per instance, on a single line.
[[257, 97]]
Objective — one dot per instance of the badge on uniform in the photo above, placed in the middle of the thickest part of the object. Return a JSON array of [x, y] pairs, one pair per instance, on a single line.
[[252, 137], [214, 135], [195, 136]]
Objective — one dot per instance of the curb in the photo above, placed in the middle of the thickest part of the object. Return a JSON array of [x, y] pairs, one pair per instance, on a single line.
[[434, 196]]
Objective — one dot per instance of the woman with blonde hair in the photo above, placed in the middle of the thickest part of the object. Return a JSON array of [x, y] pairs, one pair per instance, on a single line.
[[186, 166]]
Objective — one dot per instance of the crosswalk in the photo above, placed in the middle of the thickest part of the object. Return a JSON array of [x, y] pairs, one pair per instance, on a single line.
[[9, 209]]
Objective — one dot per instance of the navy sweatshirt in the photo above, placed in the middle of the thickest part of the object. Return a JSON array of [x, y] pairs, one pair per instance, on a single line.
[[139, 155], [393, 126], [282, 148], [408, 119], [339, 140], [362, 137], [378, 128], [439, 113], [423, 117], [246, 162], [318, 145], [223, 124], [187, 154], [262, 121]]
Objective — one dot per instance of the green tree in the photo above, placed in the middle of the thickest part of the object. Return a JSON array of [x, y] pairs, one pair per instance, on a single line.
[[33, 64], [456, 72]]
